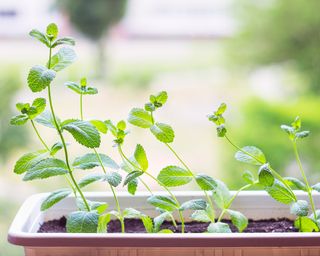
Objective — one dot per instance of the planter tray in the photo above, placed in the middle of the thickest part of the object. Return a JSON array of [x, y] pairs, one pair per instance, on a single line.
[[254, 204]]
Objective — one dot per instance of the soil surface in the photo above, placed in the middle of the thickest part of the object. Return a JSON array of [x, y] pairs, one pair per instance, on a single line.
[[136, 226]]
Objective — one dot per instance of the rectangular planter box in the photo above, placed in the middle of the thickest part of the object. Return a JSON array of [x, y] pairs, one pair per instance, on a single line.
[[254, 204]]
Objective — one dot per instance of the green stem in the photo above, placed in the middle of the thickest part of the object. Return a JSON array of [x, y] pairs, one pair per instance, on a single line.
[[303, 174], [160, 183], [62, 140], [193, 176], [81, 108], [274, 172], [38, 134]]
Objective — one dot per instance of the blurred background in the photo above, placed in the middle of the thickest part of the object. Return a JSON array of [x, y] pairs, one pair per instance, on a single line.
[[260, 57]]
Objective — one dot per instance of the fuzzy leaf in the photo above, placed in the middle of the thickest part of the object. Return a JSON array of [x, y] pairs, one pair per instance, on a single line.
[[29, 160], [147, 223], [257, 157], [39, 104], [46, 168], [64, 40], [163, 202], [82, 222], [316, 187], [173, 176], [62, 59], [300, 208], [83, 132], [160, 219], [139, 117], [132, 186], [296, 183], [113, 178], [280, 193], [55, 148], [141, 157], [205, 182], [131, 213], [40, 36], [40, 77], [221, 195], [52, 31], [131, 176], [307, 225], [195, 204], [219, 227], [90, 160], [91, 178], [238, 219], [46, 119], [54, 198], [103, 222], [265, 176], [200, 215], [248, 177], [19, 119], [163, 132]]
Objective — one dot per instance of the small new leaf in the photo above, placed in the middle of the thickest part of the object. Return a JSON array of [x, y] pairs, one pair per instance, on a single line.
[[52, 31], [40, 77], [307, 224], [238, 219], [131, 176], [141, 157], [40, 36], [65, 41], [163, 132], [19, 119]]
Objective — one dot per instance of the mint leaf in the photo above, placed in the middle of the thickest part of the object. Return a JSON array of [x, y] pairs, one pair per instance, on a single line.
[[29, 160], [173, 176], [80, 89], [205, 182], [221, 130], [54, 198], [147, 223], [280, 193], [195, 204], [316, 187], [91, 178], [132, 186], [253, 156], [113, 178], [238, 219], [307, 225], [103, 223], [82, 222], [219, 227], [90, 160], [221, 109], [139, 117], [40, 77], [296, 183], [248, 177], [100, 126], [300, 208], [221, 195], [46, 119], [19, 119], [163, 132], [302, 134], [52, 31], [161, 97], [83, 132], [265, 176], [141, 157], [46, 168], [74, 87], [39, 105], [55, 148], [201, 216], [40, 36], [163, 202], [62, 59], [64, 40], [131, 176], [160, 219], [131, 213]]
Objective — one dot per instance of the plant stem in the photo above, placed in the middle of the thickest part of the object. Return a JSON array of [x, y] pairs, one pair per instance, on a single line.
[[193, 176], [160, 183], [81, 108], [303, 174], [38, 134], [275, 173], [63, 141]]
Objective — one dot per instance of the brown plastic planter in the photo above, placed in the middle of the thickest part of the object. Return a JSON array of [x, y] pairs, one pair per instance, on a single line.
[[254, 204]]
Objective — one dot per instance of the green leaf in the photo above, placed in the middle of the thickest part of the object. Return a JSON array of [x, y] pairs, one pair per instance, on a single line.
[[40, 77], [300, 208], [62, 59], [19, 119], [132, 186], [82, 222], [195, 204], [200, 215], [55, 148], [296, 183], [221, 109], [100, 126], [46, 168], [221, 130], [158, 221], [111, 127], [280, 193], [221, 195], [205, 182], [265, 176], [173, 176], [131, 176], [141, 157], [113, 178], [219, 227], [163, 132], [161, 98], [238, 219], [52, 31], [130, 213], [91, 178], [96, 206], [316, 187], [83, 132], [64, 40], [46, 119], [302, 134], [163, 202], [29, 160], [54, 198], [139, 117], [39, 104], [147, 223], [121, 125], [103, 223], [91, 160], [40, 36], [253, 156], [307, 225], [74, 86], [248, 177]]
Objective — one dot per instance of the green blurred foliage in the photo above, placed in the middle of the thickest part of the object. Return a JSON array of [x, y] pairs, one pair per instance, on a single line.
[[282, 32], [259, 125], [10, 137]]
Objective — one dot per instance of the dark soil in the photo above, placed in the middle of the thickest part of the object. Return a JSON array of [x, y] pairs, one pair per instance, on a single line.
[[136, 226]]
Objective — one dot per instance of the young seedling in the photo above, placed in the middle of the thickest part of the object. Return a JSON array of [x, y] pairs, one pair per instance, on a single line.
[[136, 166], [173, 176], [95, 159], [301, 207], [277, 186]]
